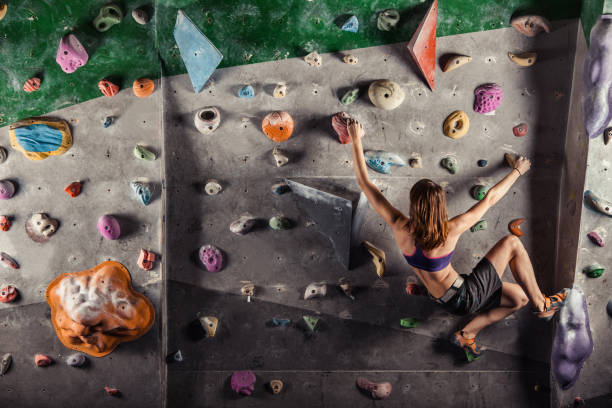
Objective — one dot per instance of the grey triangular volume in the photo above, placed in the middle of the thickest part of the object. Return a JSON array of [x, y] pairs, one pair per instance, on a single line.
[[339, 215]]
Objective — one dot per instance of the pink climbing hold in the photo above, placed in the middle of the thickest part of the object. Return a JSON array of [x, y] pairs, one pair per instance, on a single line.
[[108, 227], [520, 130], [377, 390], [211, 258], [112, 391], [8, 293], [596, 239], [488, 98], [243, 382], [71, 54], [42, 361], [339, 123]]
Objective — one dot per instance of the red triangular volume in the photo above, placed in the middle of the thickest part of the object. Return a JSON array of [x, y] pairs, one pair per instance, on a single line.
[[422, 45]]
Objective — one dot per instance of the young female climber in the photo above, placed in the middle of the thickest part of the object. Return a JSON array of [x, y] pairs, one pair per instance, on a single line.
[[427, 238]]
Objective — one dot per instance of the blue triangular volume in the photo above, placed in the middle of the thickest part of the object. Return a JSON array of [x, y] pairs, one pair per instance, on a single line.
[[200, 56], [352, 25]]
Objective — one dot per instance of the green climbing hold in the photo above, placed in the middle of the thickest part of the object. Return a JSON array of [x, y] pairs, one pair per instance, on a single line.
[[350, 97], [109, 15], [311, 322], [479, 192], [479, 226], [451, 164], [594, 271], [141, 152], [409, 322], [280, 223]]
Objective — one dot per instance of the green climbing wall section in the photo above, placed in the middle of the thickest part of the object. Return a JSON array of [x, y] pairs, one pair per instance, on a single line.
[[244, 31]]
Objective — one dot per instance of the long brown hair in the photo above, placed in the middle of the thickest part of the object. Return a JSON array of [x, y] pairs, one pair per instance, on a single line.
[[428, 216]]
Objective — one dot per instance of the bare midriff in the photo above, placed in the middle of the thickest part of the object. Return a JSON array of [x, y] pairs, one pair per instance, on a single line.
[[437, 283]]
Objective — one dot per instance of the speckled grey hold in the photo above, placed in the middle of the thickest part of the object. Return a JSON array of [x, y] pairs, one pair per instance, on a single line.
[[140, 16], [5, 363], [3, 154], [76, 360]]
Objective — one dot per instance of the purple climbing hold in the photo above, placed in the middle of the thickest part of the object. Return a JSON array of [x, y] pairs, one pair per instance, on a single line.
[[596, 239], [488, 98], [108, 227], [243, 382], [71, 54], [573, 341], [211, 258], [7, 189]]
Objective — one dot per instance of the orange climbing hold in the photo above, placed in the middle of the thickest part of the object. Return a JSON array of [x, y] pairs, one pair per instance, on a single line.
[[74, 189], [108, 88], [31, 84], [422, 45], [143, 87], [514, 227], [278, 126]]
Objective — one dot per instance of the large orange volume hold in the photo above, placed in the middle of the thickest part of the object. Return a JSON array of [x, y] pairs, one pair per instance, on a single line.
[[143, 87], [278, 126], [95, 310]]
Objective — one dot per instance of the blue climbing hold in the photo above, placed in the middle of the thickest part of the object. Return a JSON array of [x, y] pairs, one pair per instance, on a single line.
[[351, 25], [246, 91], [482, 163], [142, 190], [108, 121], [39, 138], [382, 161]]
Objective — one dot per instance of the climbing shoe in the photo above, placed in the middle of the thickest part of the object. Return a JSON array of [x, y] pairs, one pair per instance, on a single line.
[[552, 304], [469, 346]]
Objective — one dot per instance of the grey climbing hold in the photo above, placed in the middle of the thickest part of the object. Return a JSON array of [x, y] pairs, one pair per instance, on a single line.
[[207, 120], [350, 96], [416, 162], [350, 59], [387, 20], [280, 188], [351, 25], [479, 192], [316, 289], [5, 363], [314, 59], [142, 191], [175, 357], [279, 223], [597, 203], [213, 187], [141, 152], [248, 289], [346, 287], [76, 360], [279, 157], [479, 226], [451, 164], [482, 163], [243, 224], [280, 90], [140, 16], [3, 154], [386, 94]]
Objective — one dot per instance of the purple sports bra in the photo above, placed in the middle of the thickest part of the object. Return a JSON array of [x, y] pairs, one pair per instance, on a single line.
[[419, 260]]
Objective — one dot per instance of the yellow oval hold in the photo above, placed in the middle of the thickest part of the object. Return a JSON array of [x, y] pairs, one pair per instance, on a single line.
[[525, 59], [456, 125]]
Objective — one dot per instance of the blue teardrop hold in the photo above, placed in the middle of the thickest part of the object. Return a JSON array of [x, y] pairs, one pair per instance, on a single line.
[[351, 25], [246, 91]]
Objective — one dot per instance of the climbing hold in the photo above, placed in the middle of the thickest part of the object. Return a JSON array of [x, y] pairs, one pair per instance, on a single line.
[[109, 15], [378, 257], [146, 259], [278, 126], [573, 342], [212, 187], [42, 361], [39, 138], [243, 224], [74, 189], [243, 382], [207, 120], [339, 124], [31, 84], [314, 290], [7, 261], [108, 88], [71, 54], [510, 159], [143, 87], [525, 59], [107, 121], [376, 390], [113, 392], [520, 130], [140, 16], [596, 203], [386, 94], [479, 226], [609, 308], [210, 324], [514, 227], [278, 223], [530, 25], [409, 322], [488, 98], [607, 136], [5, 223], [276, 386], [455, 61], [280, 90], [456, 125], [108, 227], [76, 360], [415, 162], [7, 189], [211, 257], [279, 157], [247, 92], [141, 152], [314, 59], [482, 163], [422, 45], [479, 192], [382, 161], [142, 191], [350, 59], [5, 363], [414, 289], [350, 96], [8, 293], [594, 270], [3, 8], [346, 287], [596, 239], [311, 322], [248, 289], [451, 164], [387, 20], [177, 357], [280, 188], [3, 154], [351, 25], [278, 322], [40, 227]]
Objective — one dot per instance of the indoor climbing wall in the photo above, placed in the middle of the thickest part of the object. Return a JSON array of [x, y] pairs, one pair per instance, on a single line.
[[360, 336]]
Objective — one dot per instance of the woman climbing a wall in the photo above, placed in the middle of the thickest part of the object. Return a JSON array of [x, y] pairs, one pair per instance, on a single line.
[[427, 238]]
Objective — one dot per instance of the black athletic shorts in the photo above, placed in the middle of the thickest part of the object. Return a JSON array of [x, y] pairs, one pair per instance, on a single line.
[[481, 291]]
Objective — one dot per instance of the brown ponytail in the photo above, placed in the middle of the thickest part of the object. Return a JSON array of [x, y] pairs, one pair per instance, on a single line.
[[428, 216]]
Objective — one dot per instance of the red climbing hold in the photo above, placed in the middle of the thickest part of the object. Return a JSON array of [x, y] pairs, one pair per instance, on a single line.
[[414, 289], [422, 45], [108, 88], [520, 130], [5, 223], [31, 84], [8, 293], [339, 123], [74, 189], [113, 392], [42, 361]]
